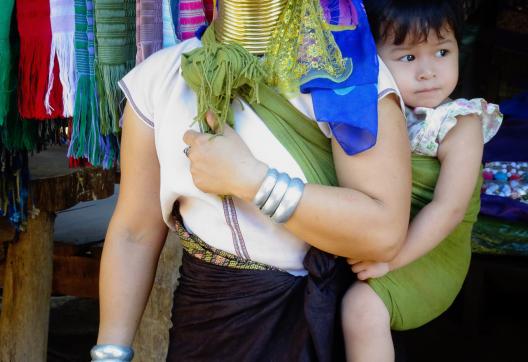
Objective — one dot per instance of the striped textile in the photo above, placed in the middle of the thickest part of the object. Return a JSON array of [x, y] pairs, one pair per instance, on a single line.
[[191, 17], [115, 51], [149, 28]]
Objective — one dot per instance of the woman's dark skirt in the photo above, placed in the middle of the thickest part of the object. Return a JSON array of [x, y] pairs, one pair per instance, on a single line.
[[226, 314]]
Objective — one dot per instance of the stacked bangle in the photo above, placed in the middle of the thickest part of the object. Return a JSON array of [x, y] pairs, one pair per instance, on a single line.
[[279, 195], [111, 353]]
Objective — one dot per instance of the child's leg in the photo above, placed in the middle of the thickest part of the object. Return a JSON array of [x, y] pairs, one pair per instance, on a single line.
[[366, 326]]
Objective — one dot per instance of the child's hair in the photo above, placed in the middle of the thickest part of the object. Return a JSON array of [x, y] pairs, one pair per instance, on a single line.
[[413, 18]]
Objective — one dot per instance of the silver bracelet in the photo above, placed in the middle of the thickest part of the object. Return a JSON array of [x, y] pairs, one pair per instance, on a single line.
[[289, 202], [111, 352], [266, 187], [276, 195]]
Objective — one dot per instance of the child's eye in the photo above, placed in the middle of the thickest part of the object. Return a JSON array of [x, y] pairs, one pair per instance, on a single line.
[[408, 58], [442, 53]]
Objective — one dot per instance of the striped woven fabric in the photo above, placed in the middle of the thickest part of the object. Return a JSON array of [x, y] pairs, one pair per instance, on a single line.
[[6, 10], [34, 27], [62, 38], [149, 28], [115, 34], [86, 141], [191, 17]]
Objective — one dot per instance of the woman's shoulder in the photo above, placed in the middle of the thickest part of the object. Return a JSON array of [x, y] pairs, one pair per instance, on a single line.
[[387, 85], [147, 84]]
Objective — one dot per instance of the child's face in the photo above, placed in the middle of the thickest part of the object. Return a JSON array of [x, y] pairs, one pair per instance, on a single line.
[[426, 72]]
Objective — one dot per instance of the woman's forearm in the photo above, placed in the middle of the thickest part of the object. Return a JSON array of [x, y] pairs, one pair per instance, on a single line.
[[347, 222], [128, 267]]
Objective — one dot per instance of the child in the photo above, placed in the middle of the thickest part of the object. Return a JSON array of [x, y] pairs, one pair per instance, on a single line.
[[418, 42]]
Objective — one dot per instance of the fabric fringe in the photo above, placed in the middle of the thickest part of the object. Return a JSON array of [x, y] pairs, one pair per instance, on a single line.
[[110, 95], [62, 49]]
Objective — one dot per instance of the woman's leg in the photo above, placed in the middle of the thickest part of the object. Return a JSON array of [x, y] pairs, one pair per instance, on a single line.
[[366, 326]]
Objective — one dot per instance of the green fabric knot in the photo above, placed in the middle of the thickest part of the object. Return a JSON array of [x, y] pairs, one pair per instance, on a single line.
[[217, 73]]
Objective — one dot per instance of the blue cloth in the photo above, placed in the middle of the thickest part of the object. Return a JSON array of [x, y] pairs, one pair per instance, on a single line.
[[350, 106]]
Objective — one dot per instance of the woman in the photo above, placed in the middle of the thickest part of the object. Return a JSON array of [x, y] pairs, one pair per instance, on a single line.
[[251, 287]]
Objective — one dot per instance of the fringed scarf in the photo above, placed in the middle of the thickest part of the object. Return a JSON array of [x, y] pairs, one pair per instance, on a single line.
[[34, 27], [191, 17], [169, 30], [115, 25], [149, 28], [86, 139], [62, 30]]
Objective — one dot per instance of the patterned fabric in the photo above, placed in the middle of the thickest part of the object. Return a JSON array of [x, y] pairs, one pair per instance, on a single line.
[[62, 48], [301, 48], [428, 126], [149, 28], [191, 17], [349, 106], [202, 251]]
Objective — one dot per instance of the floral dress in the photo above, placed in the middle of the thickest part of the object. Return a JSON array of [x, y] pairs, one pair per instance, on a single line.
[[427, 127]]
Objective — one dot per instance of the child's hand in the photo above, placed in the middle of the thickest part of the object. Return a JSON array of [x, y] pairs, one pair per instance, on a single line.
[[368, 269]]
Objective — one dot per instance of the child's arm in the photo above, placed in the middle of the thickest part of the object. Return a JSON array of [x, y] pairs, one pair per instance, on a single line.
[[460, 154]]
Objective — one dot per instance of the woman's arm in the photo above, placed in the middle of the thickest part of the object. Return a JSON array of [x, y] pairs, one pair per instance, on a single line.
[[134, 239], [460, 154], [366, 218]]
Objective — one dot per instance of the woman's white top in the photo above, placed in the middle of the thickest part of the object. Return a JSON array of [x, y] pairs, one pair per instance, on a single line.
[[159, 95]]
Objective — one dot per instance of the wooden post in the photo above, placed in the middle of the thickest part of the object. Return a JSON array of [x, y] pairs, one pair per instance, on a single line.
[[27, 290], [28, 272]]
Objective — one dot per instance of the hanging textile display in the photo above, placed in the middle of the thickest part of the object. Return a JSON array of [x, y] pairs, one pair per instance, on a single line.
[[34, 27], [62, 32], [209, 7], [191, 17], [169, 30], [115, 35], [149, 28], [86, 140]]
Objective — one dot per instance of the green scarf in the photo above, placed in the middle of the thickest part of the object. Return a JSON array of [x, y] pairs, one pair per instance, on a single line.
[[220, 72], [6, 11], [115, 24]]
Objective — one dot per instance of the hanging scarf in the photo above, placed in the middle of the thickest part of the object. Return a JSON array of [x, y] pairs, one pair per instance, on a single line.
[[86, 141], [34, 27], [115, 56], [191, 17], [149, 28], [169, 31], [6, 10], [62, 30]]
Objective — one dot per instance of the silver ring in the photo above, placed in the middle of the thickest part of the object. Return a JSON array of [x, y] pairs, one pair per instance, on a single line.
[[186, 151]]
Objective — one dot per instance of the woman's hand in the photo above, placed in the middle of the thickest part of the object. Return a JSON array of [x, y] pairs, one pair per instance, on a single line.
[[223, 164], [369, 269]]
